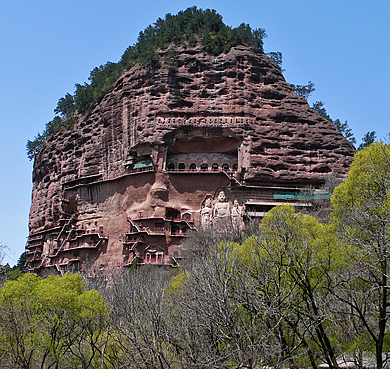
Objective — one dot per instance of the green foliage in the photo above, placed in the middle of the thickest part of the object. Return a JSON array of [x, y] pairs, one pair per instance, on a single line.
[[45, 319], [292, 261], [65, 105], [368, 139], [344, 129], [367, 182], [361, 204], [33, 147], [55, 125], [193, 23], [277, 57], [170, 61], [176, 284], [21, 264], [294, 239], [318, 106], [102, 80], [361, 216], [281, 294], [83, 98], [13, 273], [304, 90]]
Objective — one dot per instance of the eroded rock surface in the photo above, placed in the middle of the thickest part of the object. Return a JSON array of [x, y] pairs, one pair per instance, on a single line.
[[166, 139]]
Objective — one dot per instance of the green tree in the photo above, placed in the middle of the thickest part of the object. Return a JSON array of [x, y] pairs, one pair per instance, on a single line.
[[277, 58], [368, 139], [263, 300], [65, 105], [52, 127], [304, 90], [50, 322], [296, 256], [361, 216], [17, 270], [21, 264], [33, 147], [344, 129], [83, 98], [259, 35], [318, 106], [55, 125]]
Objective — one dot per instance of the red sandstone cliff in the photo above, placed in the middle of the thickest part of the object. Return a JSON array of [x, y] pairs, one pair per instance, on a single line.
[[236, 101]]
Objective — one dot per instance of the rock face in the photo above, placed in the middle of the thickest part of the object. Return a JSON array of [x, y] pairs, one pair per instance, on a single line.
[[133, 177]]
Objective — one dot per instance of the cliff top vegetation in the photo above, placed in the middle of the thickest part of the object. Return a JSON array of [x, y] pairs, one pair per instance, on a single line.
[[187, 28]]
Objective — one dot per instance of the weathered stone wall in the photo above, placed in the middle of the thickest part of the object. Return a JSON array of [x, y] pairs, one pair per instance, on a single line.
[[238, 102]]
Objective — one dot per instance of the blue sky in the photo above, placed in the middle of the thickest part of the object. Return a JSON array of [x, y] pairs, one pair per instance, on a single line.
[[48, 46]]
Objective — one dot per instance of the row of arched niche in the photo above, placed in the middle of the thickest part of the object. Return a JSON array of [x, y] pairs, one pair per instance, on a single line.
[[203, 167]]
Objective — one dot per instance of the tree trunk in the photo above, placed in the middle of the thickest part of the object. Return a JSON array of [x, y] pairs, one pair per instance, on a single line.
[[382, 316]]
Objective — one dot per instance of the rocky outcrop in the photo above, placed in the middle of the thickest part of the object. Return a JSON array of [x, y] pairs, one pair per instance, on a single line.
[[237, 104]]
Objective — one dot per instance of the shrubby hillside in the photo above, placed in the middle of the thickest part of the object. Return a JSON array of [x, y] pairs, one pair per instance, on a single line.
[[289, 292]]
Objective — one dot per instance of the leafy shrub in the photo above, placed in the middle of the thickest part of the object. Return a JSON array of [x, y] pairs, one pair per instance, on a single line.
[[52, 322]]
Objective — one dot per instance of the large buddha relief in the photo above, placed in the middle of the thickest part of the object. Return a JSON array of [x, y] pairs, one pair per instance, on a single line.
[[206, 213], [221, 207], [214, 213]]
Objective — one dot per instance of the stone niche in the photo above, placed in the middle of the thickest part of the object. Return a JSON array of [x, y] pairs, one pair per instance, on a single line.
[[204, 150], [203, 161]]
